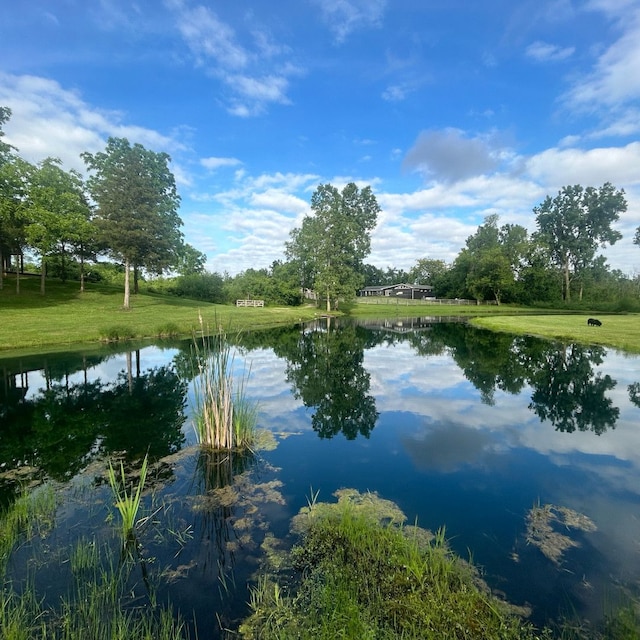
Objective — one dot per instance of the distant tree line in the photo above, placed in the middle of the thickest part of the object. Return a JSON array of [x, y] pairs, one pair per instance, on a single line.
[[127, 210]]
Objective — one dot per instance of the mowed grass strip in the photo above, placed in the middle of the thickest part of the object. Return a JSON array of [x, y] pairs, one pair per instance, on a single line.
[[66, 316], [618, 331], [386, 308]]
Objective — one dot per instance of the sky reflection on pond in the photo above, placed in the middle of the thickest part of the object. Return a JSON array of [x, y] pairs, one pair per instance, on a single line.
[[461, 427]]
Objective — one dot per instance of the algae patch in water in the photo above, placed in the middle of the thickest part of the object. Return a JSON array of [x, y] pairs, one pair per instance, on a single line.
[[369, 504], [543, 523]]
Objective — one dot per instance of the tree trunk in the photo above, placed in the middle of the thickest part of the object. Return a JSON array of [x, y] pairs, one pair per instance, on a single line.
[[63, 267], [328, 300], [17, 279], [1, 269], [135, 278], [81, 271], [127, 295], [567, 282], [43, 274], [129, 373]]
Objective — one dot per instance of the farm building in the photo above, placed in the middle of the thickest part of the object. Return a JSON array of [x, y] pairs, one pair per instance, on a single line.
[[401, 290]]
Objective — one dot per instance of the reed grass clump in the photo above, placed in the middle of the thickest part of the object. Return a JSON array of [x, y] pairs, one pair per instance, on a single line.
[[225, 418], [167, 330], [32, 513], [116, 333], [127, 502]]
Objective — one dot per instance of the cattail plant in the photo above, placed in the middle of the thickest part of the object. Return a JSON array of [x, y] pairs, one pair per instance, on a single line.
[[225, 418]]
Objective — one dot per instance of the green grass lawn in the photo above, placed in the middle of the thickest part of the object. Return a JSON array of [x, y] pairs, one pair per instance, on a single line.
[[64, 316], [619, 331], [385, 308]]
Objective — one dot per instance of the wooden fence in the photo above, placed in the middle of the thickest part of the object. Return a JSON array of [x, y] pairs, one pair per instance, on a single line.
[[249, 303], [425, 301]]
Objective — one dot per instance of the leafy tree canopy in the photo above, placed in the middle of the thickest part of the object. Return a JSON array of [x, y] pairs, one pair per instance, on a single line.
[[137, 206], [334, 240], [576, 223]]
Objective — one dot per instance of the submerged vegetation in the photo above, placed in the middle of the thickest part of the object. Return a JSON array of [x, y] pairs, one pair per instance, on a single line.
[[363, 573], [99, 604], [225, 418]]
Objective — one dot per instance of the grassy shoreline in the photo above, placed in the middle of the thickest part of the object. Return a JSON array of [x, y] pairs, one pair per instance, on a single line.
[[66, 319], [617, 331]]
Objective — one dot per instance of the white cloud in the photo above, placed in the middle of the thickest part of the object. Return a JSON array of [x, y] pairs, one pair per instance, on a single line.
[[396, 92], [214, 163], [545, 52], [208, 37], [614, 80], [279, 200], [249, 71], [48, 120], [557, 167], [345, 16]]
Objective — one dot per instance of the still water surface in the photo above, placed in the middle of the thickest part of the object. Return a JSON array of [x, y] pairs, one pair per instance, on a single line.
[[460, 427]]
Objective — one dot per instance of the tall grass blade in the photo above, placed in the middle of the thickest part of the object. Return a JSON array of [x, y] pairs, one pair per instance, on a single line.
[[127, 502]]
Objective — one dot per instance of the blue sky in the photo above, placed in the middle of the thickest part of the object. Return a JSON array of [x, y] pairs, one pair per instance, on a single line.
[[450, 109]]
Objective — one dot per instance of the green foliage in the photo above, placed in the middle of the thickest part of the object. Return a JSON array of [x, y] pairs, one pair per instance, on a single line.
[[189, 260], [116, 333], [31, 513], [168, 330], [575, 223], [57, 215], [5, 149], [97, 606], [331, 244], [107, 272], [127, 502], [199, 286], [137, 205], [363, 574]]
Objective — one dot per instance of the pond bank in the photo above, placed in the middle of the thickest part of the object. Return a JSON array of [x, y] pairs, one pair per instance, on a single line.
[[618, 331]]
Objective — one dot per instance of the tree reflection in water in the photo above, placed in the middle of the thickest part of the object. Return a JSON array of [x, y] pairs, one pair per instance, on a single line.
[[325, 367], [569, 394]]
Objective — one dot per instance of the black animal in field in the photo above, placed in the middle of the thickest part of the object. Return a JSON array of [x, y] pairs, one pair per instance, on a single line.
[[594, 322]]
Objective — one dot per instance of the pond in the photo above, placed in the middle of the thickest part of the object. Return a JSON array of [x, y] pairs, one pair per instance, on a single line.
[[527, 451]]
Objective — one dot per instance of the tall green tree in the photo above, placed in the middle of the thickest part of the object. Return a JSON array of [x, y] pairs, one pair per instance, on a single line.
[[488, 265], [334, 240], [58, 213], [137, 206], [15, 179], [5, 148], [190, 261], [575, 224]]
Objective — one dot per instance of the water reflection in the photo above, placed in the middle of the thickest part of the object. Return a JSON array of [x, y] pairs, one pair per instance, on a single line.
[[569, 394], [325, 368], [63, 420], [73, 415], [458, 425]]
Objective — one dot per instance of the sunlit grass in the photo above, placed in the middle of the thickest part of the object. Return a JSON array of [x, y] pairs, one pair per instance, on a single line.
[[365, 575], [385, 308], [67, 317], [619, 331]]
